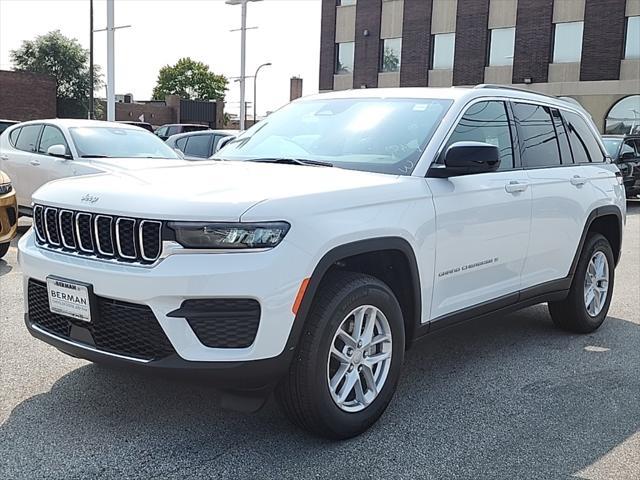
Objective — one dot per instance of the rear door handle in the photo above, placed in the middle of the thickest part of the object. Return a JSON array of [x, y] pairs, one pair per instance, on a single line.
[[578, 181], [515, 186], [34, 162]]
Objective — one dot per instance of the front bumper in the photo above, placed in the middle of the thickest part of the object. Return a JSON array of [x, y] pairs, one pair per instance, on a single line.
[[8, 217], [270, 277], [239, 376]]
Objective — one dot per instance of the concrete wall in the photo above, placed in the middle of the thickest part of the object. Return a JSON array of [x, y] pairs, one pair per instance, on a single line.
[[392, 13], [568, 11], [27, 96], [443, 17], [502, 13]]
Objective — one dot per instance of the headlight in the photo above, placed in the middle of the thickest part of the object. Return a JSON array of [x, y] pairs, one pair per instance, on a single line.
[[5, 188], [229, 235]]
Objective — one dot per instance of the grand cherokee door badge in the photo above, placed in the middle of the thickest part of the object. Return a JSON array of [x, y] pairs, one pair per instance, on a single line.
[[468, 267]]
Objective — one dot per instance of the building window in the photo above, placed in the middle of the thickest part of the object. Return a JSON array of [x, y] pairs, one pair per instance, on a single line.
[[443, 50], [390, 53], [501, 46], [344, 57], [632, 44], [344, 3], [624, 116], [567, 42]]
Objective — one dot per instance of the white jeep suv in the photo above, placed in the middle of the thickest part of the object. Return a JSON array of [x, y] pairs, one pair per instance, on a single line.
[[326, 239]]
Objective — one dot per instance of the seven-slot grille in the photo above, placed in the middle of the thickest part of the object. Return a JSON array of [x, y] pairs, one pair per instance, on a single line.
[[103, 236]]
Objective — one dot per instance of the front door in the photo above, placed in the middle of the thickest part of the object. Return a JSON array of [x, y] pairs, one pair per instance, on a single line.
[[482, 221]]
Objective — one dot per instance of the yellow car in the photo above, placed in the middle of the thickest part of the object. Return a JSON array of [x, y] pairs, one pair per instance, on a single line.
[[8, 213]]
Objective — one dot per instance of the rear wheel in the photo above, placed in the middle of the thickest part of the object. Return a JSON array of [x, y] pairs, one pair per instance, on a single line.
[[587, 304], [349, 358], [4, 248]]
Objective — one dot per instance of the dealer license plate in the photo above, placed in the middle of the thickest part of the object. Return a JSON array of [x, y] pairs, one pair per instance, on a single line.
[[69, 298]]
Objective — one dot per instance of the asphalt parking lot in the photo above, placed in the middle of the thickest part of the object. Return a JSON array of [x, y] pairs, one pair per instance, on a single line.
[[510, 397]]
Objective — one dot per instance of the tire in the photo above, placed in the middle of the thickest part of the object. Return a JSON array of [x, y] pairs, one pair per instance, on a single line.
[[572, 313], [4, 248], [305, 395]]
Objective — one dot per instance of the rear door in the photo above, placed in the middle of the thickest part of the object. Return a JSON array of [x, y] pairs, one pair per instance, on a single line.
[[482, 220], [22, 164], [562, 195]]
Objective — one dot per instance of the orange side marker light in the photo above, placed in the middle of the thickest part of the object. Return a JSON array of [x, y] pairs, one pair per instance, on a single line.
[[300, 295]]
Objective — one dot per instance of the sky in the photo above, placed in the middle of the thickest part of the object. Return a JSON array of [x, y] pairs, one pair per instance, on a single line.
[[163, 31]]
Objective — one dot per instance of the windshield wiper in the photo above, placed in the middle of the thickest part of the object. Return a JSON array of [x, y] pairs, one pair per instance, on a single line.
[[292, 161], [94, 156]]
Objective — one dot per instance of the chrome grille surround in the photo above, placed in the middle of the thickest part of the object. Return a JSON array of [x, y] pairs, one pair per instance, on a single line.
[[97, 235]]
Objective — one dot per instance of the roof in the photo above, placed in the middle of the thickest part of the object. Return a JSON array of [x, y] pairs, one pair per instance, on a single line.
[[451, 93], [73, 122]]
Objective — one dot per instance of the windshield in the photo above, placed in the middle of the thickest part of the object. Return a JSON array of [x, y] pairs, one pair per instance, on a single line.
[[375, 135], [108, 142], [612, 145]]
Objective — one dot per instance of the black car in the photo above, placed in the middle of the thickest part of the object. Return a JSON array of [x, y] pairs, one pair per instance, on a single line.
[[625, 152], [4, 124], [165, 131], [199, 145], [145, 125]]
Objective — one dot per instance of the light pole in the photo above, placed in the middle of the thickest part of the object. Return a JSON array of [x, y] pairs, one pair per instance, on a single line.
[[91, 101], [243, 49], [255, 91]]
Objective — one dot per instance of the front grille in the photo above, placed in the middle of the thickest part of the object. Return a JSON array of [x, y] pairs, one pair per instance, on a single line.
[[222, 322], [103, 236], [117, 327]]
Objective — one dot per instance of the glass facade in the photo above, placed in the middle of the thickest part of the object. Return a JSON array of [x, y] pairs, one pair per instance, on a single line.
[[632, 42], [567, 42], [344, 57], [443, 51], [501, 47], [390, 54]]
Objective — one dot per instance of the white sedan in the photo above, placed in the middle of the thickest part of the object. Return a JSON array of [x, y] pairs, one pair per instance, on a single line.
[[36, 152]]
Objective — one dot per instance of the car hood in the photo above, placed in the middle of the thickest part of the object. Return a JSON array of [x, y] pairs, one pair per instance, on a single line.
[[128, 164], [209, 190]]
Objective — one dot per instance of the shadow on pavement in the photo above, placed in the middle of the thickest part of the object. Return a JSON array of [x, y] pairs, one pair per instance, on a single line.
[[510, 397]]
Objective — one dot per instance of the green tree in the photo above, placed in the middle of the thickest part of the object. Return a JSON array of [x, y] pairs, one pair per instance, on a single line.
[[190, 80], [65, 60]]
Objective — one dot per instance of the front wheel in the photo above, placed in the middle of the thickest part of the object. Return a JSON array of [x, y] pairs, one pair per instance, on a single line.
[[587, 304], [349, 359]]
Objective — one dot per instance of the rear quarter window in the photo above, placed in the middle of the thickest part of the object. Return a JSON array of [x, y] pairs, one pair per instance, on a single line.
[[584, 145], [13, 136]]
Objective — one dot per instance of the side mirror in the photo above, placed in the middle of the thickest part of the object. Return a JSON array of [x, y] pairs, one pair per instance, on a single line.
[[467, 158], [59, 151], [628, 156], [224, 141]]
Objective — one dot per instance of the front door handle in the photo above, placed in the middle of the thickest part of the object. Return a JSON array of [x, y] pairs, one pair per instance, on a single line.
[[4, 157], [34, 162], [515, 186], [578, 181]]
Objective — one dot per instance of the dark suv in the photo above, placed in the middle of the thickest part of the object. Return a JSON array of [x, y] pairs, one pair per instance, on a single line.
[[165, 131], [625, 152]]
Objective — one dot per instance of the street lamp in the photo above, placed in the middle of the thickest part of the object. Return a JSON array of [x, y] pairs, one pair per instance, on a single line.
[[243, 49], [255, 91]]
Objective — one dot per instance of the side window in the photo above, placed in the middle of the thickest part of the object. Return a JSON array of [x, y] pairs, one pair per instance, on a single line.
[[584, 145], [487, 122], [162, 131], [28, 138], [198, 146], [538, 141], [173, 130], [629, 147], [51, 136], [180, 143], [637, 142], [13, 136]]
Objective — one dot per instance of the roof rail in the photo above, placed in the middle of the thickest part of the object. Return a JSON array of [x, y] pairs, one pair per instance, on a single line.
[[517, 89]]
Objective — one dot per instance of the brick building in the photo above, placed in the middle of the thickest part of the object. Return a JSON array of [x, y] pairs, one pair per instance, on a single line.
[[585, 49], [27, 96]]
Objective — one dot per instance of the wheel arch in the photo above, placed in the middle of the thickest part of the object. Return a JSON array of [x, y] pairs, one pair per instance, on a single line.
[[338, 257], [608, 221]]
